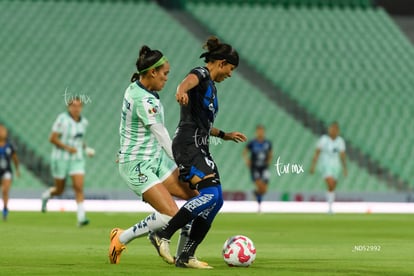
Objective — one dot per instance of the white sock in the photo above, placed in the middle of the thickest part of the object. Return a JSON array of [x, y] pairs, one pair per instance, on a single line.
[[153, 222], [47, 194], [81, 212], [184, 235], [330, 197]]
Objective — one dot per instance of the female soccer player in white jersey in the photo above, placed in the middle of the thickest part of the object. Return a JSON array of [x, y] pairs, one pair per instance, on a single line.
[[197, 95], [145, 157], [330, 151], [67, 136]]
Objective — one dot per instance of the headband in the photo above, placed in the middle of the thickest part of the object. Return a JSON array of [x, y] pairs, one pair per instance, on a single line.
[[160, 62], [229, 58]]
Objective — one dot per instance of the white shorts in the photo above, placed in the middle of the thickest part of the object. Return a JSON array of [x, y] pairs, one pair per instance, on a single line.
[[141, 175], [6, 176], [63, 168], [330, 171]]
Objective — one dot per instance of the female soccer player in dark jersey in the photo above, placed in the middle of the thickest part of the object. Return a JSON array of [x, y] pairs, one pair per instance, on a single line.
[[260, 157], [197, 95], [7, 155]]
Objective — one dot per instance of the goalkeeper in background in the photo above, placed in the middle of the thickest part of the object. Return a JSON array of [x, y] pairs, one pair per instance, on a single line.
[[68, 133]]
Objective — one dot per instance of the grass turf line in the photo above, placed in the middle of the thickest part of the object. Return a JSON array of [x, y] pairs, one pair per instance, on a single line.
[[287, 244]]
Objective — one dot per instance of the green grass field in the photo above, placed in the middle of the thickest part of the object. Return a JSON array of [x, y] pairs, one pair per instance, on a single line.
[[287, 244]]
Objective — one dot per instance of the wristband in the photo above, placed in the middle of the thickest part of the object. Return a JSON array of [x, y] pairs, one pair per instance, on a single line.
[[221, 134]]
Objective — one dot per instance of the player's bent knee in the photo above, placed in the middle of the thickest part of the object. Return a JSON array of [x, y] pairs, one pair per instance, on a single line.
[[206, 183], [220, 203]]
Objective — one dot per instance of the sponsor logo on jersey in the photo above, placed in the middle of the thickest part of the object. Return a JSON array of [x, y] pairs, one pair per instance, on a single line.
[[197, 202], [153, 110]]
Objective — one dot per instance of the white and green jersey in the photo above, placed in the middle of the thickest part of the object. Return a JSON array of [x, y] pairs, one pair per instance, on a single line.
[[330, 151], [72, 133], [140, 109]]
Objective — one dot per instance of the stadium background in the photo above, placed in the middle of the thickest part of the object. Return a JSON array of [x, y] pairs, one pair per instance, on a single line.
[[304, 63]]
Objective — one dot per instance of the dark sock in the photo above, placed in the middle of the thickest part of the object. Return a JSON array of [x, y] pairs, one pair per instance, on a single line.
[[198, 232], [259, 197], [178, 221]]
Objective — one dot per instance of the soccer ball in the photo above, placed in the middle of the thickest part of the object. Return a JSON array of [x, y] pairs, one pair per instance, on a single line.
[[239, 251]]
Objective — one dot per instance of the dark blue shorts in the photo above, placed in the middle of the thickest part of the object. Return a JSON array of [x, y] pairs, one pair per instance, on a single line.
[[261, 173]]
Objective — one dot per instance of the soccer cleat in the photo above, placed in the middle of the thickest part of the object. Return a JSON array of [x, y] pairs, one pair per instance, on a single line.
[[204, 263], [5, 213], [83, 222], [192, 263], [115, 246], [163, 247]]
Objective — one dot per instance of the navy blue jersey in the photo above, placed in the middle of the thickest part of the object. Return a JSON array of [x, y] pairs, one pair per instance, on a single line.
[[259, 153], [202, 107], [6, 153]]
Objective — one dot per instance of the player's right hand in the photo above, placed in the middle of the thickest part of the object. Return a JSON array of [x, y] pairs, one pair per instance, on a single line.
[[182, 98], [71, 150], [312, 170]]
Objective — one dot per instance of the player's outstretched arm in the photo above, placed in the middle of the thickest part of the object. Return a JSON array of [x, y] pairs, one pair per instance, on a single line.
[[229, 136], [187, 84]]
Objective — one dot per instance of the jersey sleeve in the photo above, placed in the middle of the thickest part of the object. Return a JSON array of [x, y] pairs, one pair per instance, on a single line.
[[201, 73], [58, 125], [85, 123], [85, 127], [149, 111], [320, 143], [342, 146]]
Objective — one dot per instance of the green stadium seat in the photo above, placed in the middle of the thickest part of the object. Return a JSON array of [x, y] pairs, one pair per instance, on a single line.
[[355, 49], [89, 48]]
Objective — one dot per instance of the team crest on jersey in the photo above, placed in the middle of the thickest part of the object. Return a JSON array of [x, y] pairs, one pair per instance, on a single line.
[[142, 178], [152, 106]]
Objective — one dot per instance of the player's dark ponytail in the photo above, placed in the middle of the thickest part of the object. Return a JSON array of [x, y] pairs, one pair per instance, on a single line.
[[146, 59], [218, 51]]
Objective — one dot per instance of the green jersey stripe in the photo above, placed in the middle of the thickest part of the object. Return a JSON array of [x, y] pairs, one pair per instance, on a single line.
[[140, 109]]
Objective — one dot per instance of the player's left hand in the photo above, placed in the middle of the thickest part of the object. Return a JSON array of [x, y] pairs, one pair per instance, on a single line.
[[90, 152], [312, 170], [182, 98], [235, 136]]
